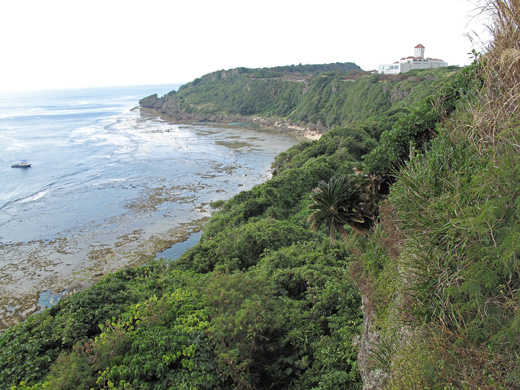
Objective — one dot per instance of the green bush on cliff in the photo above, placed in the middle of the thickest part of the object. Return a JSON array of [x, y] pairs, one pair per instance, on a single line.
[[415, 129], [28, 349]]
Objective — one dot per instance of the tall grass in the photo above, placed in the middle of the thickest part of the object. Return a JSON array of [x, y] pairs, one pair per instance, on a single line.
[[498, 111], [458, 208]]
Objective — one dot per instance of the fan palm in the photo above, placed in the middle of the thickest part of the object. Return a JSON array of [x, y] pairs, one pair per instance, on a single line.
[[336, 204]]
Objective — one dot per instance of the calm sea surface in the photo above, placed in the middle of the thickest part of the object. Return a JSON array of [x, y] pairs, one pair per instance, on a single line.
[[109, 186]]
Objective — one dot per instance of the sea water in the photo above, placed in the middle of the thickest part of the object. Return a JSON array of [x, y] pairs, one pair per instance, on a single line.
[[109, 186]]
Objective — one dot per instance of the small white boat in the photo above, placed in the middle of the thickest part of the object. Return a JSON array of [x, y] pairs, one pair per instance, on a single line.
[[21, 164]]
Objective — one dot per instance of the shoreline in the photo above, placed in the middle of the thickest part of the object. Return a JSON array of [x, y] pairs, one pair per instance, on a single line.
[[42, 270], [308, 133], [17, 305]]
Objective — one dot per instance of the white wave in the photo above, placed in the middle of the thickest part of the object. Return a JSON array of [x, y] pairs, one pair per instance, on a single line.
[[99, 133], [82, 103], [42, 111], [12, 144], [104, 182], [34, 197]]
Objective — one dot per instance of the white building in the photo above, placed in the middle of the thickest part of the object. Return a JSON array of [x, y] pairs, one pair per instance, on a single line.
[[416, 62]]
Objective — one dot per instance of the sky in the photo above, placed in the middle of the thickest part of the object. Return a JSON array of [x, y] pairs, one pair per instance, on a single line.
[[56, 44]]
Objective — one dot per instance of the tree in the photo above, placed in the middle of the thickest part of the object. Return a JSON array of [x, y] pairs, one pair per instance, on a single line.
[[336, 204]]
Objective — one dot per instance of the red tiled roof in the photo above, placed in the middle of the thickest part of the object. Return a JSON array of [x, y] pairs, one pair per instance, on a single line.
[[419, 46]]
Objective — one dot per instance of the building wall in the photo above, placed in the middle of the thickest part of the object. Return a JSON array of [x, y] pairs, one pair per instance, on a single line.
[[404, 66], [390, 68]]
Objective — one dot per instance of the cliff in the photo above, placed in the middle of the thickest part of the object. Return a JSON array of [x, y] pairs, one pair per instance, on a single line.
[[296, 101]]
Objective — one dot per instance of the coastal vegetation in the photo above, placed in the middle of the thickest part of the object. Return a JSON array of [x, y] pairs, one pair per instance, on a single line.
[[422, 292], [319, 97]]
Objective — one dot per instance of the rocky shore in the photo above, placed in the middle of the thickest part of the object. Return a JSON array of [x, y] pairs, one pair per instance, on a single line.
[[171, 110]]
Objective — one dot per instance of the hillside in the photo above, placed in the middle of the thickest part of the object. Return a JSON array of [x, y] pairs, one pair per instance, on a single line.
[[312, 99], [382, 256]]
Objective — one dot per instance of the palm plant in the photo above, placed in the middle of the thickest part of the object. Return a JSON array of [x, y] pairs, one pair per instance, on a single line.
[[336, 204]]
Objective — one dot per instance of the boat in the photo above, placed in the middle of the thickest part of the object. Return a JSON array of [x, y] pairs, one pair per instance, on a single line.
[[21, 164]]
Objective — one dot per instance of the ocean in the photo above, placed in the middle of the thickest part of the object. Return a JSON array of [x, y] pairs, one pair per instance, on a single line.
[[109, 186]]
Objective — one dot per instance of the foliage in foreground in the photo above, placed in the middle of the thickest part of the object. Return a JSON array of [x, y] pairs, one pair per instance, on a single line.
[[447, 246], [272, 325]]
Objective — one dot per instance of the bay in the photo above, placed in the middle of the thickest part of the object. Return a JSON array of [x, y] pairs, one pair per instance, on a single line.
[[110, 186]]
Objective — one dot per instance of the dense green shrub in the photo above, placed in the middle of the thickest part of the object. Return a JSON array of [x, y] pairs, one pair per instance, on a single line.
[[467, 233], [414, 130], [28, 349]]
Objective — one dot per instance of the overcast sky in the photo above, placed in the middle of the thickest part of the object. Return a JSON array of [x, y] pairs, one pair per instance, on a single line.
[[77, 43]]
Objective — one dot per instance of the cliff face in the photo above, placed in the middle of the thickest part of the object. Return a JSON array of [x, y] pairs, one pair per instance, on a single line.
[[168, 107], [173, 111], [373, 378], [150, 101]]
